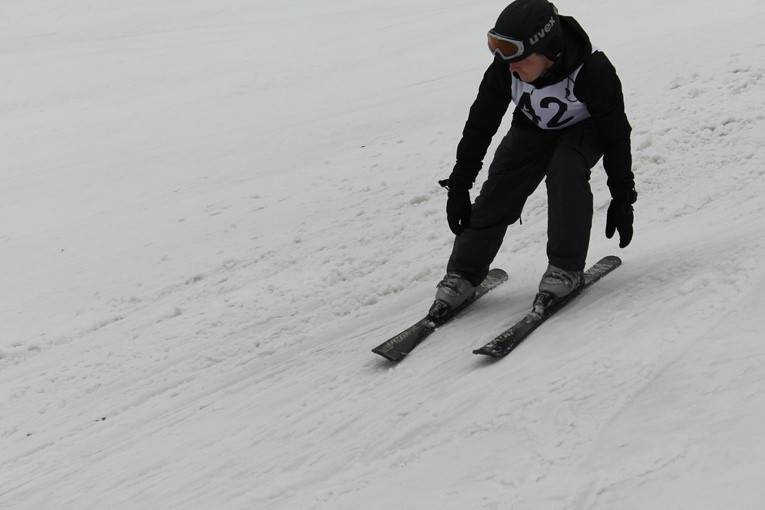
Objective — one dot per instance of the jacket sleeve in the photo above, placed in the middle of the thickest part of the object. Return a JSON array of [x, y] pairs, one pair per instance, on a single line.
[[598, 86], [484, 119]]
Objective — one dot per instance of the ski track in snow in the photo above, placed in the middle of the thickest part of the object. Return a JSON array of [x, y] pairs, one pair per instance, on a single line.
[[205, 342]]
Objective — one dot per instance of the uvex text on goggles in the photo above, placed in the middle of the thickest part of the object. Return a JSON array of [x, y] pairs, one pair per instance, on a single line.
[[508, 49]]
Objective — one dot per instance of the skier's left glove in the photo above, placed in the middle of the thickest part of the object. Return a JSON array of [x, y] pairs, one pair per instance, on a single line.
[[620, 217]]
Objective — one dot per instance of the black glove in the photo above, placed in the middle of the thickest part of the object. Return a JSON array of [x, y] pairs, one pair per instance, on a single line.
[[458, 205], [620, 217]]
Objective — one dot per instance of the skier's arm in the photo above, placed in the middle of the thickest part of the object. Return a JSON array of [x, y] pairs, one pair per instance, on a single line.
[[598, 86], [483, 122]]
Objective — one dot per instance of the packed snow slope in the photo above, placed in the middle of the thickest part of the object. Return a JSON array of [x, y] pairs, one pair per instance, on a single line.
[[212, 211]]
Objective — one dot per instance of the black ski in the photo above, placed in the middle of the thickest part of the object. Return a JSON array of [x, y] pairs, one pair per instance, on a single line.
[[545, 306], [402, 344]]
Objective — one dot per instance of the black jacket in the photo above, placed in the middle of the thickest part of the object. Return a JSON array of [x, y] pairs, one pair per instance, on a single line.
[[597, 86]]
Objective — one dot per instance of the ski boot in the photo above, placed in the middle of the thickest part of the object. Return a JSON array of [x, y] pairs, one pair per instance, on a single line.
[[452, 292], [559, 282]]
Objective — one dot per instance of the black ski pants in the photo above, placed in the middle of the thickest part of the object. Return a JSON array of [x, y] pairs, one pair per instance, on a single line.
[[565, 157]]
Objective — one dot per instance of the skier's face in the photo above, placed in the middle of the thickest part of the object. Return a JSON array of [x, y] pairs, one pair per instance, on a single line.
[[531, 67]]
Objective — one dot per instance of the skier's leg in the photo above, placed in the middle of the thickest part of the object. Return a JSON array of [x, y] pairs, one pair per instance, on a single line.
[[515, 172], [569, 197]]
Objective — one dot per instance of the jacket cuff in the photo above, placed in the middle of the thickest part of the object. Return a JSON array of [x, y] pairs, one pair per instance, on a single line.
[[463, 176], [624, 195]]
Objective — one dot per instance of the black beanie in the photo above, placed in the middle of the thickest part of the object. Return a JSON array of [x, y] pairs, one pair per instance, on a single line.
[[536, 23]]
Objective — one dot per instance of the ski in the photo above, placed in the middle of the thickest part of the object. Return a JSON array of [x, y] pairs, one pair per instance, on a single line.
[[402, 344], [545, 306]]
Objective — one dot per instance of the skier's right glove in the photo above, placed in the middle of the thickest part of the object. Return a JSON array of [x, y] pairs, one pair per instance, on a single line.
[[620, 216], [457, 205]]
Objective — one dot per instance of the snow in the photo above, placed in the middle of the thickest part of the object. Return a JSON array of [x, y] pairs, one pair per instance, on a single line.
[[211, 212]]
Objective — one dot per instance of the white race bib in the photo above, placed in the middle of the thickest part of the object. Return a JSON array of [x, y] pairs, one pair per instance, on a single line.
[[552, 107]]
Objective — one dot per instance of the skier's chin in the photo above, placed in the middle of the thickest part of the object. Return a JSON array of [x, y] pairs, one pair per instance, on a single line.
[[525, 79]]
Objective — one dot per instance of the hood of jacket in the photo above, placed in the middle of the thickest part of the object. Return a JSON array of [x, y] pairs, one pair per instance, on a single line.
[[576, 48]]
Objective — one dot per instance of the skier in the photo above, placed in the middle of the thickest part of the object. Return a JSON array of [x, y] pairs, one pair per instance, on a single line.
[[569, 113]]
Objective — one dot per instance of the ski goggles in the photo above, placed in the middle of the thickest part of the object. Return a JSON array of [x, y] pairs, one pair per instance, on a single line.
[[508, 49]]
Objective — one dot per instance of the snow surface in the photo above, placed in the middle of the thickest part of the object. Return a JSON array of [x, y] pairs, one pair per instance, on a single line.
[[212, 211]]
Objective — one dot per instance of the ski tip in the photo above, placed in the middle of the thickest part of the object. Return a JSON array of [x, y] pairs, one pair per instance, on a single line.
[[495, 277], [390, 356], [612, 259], [487, 352], [499, 273]]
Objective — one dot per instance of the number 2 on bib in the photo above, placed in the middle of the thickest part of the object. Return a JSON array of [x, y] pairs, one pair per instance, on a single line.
[[554, 108]]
